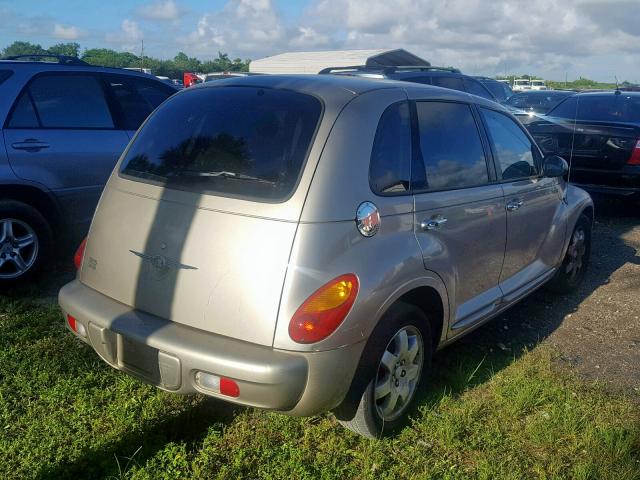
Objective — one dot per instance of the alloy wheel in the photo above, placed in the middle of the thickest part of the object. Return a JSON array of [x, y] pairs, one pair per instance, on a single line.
[[575, 254], [399, 373], [18, 248]]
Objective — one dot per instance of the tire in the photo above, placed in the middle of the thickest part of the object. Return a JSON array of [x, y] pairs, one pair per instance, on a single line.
[[375, 418], [576, 260], [25, 241]]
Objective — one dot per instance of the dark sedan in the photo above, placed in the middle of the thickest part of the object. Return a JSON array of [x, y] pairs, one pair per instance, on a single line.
[[600, 134]]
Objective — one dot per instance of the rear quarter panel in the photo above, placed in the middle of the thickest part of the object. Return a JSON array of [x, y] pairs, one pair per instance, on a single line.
[[328, 244]]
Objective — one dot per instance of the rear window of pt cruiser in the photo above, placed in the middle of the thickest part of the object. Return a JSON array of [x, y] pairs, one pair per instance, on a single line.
[[233, 141]]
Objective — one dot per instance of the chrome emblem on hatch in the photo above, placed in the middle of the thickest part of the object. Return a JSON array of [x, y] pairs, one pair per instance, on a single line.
[[161, 262]]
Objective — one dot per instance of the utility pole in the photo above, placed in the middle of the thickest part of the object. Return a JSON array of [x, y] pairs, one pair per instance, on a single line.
[[142, 54]]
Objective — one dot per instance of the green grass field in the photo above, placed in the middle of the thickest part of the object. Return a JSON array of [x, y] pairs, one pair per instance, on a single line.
[[64, 414]]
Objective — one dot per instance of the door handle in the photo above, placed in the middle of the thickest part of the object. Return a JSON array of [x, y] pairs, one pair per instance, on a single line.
[[433, 223], [30, 144], [514, 205]]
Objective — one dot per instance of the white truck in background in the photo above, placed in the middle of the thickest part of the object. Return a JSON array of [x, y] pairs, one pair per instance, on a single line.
[[538, 85], [521, 84]]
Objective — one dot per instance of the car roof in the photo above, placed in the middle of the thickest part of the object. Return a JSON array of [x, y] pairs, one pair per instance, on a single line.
[[608, 93], [61, 67], [334, 88]]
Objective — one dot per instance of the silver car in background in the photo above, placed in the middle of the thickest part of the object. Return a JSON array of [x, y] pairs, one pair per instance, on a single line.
[[306, 243]]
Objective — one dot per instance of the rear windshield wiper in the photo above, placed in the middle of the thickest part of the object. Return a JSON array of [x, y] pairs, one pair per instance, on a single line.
[[226, 174]]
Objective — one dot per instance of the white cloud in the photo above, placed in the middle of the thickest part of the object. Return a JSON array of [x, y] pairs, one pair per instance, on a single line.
[[163, 10], [205, 36], [128, 37], [547, 37], [308, 37], [243, 26], [70, 32], [595, 38]]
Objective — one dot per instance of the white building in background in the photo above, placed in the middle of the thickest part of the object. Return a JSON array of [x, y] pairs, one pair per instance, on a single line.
[[313, 62]]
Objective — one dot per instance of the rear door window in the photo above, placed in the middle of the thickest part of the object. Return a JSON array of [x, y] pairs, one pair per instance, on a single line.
[[390, 167], [450, 146], [232, 141], [70, 101], [23, 115], [517, 156], [455, 83], [62, 101], [135, 99]]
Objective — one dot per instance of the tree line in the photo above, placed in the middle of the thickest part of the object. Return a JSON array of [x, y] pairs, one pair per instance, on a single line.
[[173, 68]]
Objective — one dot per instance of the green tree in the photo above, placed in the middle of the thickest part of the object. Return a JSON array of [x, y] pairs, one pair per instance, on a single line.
[[71, 49], [185, 63], [23, 48], [173, 68], [110, 58]]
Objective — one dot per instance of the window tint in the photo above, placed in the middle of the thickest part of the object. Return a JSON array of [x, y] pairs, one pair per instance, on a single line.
[[499, 90], [235, 141], [454, 83], [514, 151], [450, 146], [475, 88], [4, 74], [70, 101], [390, 168], [136, 99], [540, 101], [607, 108], [24, 116]]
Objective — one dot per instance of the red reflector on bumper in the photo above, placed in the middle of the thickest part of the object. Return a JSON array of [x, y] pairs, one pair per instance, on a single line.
[[72, 323], [229, 387]]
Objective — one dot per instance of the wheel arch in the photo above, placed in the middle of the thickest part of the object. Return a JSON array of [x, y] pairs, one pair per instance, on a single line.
[[37, 198], [430, 296]]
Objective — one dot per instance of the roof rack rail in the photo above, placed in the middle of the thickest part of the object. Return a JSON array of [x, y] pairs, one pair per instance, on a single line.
[[62, 59], [387, 69]]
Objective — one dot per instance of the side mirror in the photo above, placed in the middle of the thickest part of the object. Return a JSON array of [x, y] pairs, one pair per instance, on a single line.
[[555, 166]]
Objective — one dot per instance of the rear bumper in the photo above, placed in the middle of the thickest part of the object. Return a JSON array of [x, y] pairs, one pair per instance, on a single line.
[[610, 191], [169, 355], [622, 182]]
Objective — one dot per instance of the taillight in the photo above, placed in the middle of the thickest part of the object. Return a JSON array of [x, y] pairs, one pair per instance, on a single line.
[[321, 313], [635, 155], [77, 258]]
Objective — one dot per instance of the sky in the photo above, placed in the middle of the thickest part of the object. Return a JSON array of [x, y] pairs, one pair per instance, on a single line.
[[598, 39]]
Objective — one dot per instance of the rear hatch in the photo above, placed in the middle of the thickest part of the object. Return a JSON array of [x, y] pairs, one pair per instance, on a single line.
[[197, 223], [603, 136]]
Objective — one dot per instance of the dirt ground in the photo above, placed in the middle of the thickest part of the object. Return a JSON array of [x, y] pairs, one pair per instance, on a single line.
[[595, 330]]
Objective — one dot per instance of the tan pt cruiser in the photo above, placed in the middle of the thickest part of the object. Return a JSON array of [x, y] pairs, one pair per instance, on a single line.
[[306, 243]]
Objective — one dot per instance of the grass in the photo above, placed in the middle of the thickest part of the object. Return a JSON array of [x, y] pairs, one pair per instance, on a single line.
[[64, 414]]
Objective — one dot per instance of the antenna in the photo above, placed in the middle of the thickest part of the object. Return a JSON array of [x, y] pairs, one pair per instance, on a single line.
[[573, 140]]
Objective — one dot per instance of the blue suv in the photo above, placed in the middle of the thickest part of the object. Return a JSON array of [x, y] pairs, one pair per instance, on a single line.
[[64, 125]]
